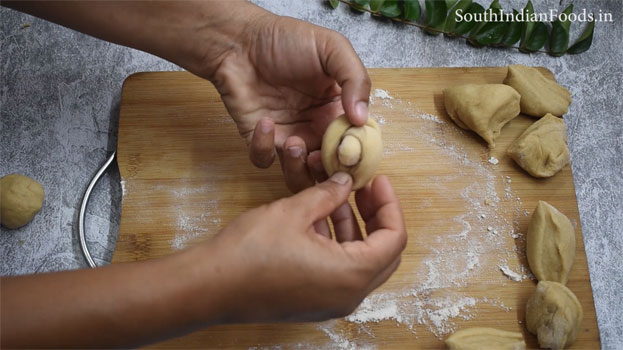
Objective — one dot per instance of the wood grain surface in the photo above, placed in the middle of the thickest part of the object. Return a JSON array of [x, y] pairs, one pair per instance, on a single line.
[[186, 174]]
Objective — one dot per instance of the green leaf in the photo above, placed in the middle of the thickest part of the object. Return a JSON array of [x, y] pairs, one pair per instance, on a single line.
[[460, 8], [559, 39], [493, 7], [528, 24], [464, 26], [491, 33], [450, 3], [537, 39], [513, 33], [412, 10], [584, 41], [391, 9], [375, 5], [436, 12], [360, 3], [334, 3]]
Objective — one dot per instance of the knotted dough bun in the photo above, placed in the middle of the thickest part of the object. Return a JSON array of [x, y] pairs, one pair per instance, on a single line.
[[356, 150]]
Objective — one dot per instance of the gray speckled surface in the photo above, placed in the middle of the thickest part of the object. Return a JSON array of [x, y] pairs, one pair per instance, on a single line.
[[59, 109]]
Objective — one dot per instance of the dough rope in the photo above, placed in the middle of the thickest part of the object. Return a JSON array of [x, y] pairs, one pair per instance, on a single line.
[[356, 150]]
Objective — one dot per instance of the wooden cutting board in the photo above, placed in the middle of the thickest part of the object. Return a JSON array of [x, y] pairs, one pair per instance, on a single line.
[[185, 174]]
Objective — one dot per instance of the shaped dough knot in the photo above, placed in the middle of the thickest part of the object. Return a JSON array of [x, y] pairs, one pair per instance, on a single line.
[[356, 150]]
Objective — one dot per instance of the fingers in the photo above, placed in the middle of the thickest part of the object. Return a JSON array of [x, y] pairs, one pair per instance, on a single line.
[[387, 237], [341, 62], [294, 165], [379, 206], [345, 224], [314, 164], [320, 201], [262, 147]]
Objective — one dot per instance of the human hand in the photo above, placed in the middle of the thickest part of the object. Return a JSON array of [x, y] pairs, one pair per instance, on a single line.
[[283, 82], [272, 264]]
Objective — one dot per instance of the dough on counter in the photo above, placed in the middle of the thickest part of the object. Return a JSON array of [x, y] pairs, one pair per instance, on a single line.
[[542, 150], [480, 338], [539, 94], [351, 149], [550, 244], [483, 108], [554, 315], [20, 200]]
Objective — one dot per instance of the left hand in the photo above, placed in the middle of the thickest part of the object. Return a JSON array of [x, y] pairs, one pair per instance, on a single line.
[[283, 82]]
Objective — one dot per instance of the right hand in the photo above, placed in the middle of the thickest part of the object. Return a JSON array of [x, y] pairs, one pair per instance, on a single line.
[[272, 264]]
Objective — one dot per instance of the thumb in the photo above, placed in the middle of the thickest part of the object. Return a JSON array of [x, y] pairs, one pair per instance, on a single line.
[[341, 62], [320, 201]]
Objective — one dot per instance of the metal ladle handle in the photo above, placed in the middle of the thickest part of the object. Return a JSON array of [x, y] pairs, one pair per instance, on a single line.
[[83, 209]]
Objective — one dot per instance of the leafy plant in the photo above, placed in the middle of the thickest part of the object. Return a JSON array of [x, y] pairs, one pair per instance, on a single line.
[[450, 17]]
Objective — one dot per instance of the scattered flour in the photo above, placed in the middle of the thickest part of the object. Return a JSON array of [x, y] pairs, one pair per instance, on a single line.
[[340, 341], [432, 118], [435, 294], [382, 94]]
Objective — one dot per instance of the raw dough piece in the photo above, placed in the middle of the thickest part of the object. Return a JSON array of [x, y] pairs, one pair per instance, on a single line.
[[351, 149], [554, 315], [480, 338], [20, 200], [539, 95], [542, 150], [550, 244], [483, 108]]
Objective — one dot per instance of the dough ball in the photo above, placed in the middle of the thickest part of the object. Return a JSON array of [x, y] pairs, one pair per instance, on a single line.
[[550, 244], [356, 150], [479, 338], [542, 149], [539, 94], [554, 315], [20, 200], [483, 108]]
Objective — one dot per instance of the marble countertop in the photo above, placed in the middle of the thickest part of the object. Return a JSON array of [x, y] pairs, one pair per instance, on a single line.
[[60, 93]]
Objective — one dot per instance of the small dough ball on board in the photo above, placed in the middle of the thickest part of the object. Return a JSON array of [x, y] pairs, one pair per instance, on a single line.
[[20, 200], [539, 94], [554, 315], [550, 244], [483, 108], [356, 150], [542, 149], [480, 338]]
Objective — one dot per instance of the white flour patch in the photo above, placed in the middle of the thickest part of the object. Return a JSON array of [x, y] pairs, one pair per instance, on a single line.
[[190, 228], [340, 341], [375, 308], [430, 117], [382, 94], [386, 99], [493, 160], [510, 273]]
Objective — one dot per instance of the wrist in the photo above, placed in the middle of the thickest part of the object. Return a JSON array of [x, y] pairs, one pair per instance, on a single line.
[[216, 30], [203, 289]]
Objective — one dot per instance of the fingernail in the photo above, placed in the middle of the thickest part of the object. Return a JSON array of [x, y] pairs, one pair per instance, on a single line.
[[340, 178], [362, 110], [266, 126], [295, 151]]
